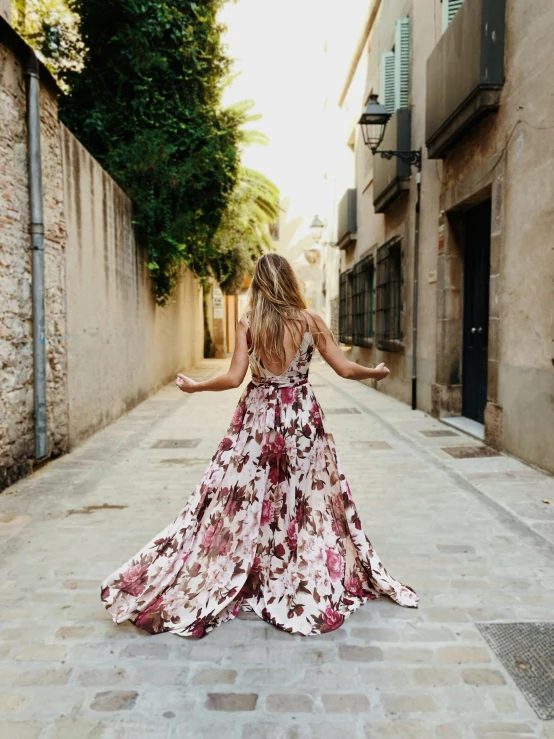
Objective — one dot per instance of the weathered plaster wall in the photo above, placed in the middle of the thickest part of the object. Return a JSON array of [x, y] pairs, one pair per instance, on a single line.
[[16, 347], [121, 346], [6, 9]]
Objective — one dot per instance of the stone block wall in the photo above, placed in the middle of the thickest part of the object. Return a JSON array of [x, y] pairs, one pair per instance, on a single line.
[[16, 345]]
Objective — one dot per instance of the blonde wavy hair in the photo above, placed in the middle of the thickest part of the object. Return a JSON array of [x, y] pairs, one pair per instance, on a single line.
[[276, 303]]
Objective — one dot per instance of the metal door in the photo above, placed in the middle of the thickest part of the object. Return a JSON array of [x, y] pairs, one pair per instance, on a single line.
[[477, 241]]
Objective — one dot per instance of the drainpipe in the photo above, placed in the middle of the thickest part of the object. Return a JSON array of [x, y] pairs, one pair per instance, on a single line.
[[415, 296], [37, 248]]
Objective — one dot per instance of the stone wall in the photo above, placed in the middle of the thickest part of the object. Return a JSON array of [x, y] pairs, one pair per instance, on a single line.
[[108, 345], [16, 346]]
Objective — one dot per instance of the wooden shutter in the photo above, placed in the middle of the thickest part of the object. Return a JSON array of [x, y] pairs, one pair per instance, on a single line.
[[449, 10], [402, 64], [387, 81]]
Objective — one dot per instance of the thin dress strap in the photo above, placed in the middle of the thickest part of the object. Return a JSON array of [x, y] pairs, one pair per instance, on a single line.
[[245, 322]]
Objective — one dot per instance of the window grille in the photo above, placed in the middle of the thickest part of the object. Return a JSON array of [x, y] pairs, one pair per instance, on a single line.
[[389, 293], [362, 302], [357, 304], [345, 307]]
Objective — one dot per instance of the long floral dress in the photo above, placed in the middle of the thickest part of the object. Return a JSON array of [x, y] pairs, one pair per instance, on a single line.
[[271, 528]]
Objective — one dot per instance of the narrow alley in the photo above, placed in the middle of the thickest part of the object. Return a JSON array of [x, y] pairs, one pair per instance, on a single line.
[[471, 534]]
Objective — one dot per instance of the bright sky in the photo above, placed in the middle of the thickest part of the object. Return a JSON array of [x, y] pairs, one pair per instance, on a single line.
[[293, 56], [279, 48]]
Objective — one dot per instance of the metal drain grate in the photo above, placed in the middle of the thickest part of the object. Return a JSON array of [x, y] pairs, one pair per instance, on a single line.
[[341, 411], [371, 445], [432, 433], [470, 452], [176, 444], [527, 651], [455, 549]]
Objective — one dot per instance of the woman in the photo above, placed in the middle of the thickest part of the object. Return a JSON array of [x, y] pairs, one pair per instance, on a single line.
[[271, 527]]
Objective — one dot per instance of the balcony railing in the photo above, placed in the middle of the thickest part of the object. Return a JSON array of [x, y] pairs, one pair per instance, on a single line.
[[392, 176], [465, 73], [347, 220]]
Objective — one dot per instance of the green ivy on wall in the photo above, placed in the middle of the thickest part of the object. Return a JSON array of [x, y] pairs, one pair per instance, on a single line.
[[146, 104]]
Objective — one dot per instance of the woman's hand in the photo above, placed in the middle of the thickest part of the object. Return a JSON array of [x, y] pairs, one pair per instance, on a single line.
[[185, 384], [381, 371]]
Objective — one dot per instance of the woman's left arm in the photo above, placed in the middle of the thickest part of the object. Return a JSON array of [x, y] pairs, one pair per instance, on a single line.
[[232, 378]]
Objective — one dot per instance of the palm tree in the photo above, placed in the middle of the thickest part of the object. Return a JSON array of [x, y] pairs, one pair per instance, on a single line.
[[244, 233]]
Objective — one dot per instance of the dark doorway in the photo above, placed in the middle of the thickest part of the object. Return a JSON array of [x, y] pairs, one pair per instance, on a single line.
[[477, 248]]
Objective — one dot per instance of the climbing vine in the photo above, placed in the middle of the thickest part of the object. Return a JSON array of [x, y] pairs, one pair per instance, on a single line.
[[51, 29], [147, 105]]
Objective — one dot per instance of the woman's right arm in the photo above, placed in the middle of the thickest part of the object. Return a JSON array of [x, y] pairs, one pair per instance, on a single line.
[[230, 379], [335, 358]]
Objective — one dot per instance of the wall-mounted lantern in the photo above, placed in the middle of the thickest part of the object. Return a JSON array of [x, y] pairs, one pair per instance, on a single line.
[[374, 121], [317, 228]]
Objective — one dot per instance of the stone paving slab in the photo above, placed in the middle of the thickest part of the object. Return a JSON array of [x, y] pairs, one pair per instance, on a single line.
[[471, 535]]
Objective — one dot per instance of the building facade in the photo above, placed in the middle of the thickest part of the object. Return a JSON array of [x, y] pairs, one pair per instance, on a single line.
[[447, 274]]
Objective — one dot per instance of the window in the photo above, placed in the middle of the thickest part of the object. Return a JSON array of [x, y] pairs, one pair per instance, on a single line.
[[389, 294], [449, 10], [356, 304], [345, 307], [362, 302], [395, 70]]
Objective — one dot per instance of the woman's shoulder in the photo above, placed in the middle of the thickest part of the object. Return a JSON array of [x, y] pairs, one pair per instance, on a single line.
[[244, 319], [314, 319]]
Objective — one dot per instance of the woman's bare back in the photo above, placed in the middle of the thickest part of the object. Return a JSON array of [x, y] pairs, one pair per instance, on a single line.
[[292, 341]]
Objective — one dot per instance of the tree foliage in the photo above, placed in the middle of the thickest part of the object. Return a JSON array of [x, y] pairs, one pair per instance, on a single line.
[[51, 28], [244, 234], [147, 105]]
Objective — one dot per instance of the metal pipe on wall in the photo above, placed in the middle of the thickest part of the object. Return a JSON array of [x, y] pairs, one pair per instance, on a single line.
[[37, 250], [415, 295]]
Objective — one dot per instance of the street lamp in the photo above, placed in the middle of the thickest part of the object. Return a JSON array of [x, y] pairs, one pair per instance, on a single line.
[[374, 121], [317, 228]]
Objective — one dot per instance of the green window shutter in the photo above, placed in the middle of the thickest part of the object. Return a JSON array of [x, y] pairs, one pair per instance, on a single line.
[[387, 81], [402, 64], [449, 10]]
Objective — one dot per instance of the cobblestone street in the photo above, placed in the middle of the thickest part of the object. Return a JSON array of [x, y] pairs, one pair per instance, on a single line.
[[471, 534]]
